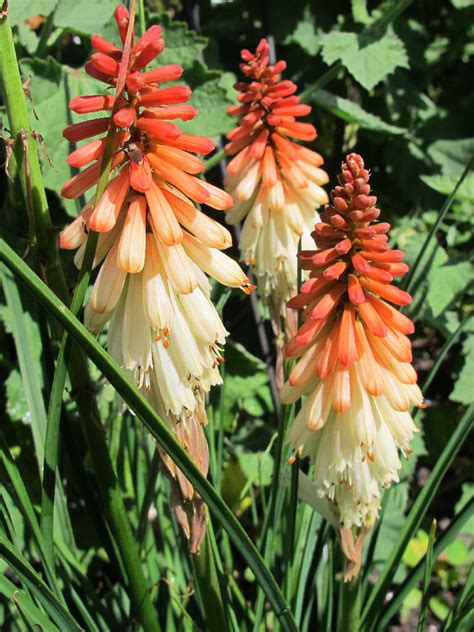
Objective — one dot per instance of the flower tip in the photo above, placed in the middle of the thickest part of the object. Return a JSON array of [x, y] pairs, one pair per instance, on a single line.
[[247, 287]]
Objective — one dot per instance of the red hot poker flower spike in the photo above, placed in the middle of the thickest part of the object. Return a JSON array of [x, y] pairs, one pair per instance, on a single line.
[[155, 246], [274, 180], [354, 357]]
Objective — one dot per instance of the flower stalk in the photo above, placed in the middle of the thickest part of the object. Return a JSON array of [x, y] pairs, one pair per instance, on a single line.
[[28, 165]]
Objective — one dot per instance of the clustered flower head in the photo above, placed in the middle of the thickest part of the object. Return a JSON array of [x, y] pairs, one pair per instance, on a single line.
[[275, 181], [155, 247], [354, 356]]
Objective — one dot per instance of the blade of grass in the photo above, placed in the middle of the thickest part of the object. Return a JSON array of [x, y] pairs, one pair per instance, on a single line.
[[329, 601], [29, 170], [413, 520], [28, 369], [414, 576], [311, 558], [464, 606], [372, 545], [139, 405], [148, 496], [209, 588], [26, 508], [11, 592], [410, 277], [427, 578], [276, 493], [349, 615], [290, 533], [38, 588], [442, 354]]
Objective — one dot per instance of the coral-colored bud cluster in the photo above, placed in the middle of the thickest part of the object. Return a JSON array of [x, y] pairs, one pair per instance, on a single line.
[[153, 166], [143, 113], [268, 111], [350, 280]]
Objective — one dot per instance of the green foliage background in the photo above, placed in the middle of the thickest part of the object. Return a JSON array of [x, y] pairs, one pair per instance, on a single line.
[[397, 91]]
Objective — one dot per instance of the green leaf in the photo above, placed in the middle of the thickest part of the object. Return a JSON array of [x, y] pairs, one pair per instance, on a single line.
[[305, 35], [353, 113], [359, 11], [403, 592], [20, 598], [463, 391], [439, 607], [445, 184], [257, 466], [446, 283], [26, 336], [427, 578], [87, 16], [211, 100], [462, 4], [246, 384], [452, 155], [456, 553], [52, 86], [393, 519], [23, 10], [466, 495], [36, 585], [368, 61], [17, 405], [183, 46]]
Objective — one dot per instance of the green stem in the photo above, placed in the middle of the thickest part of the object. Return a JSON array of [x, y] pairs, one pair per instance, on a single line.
[[141, 16], [46, 31], [209, 588], [350, 611], [214, 160], [157, 427], [29, 170], [32, 184]]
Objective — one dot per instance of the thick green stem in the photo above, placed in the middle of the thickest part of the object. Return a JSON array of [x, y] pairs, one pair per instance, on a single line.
[[26, 156], [209, 588], [350, 611], [31, 180]]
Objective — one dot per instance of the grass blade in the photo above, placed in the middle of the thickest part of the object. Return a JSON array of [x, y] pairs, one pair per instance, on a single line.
[[374, 603], [427, 578], [442, 354], [11, 592], [464, 607], [209, 588], [139, 405], [410, 278], [51, 447], [26, 507], [37, 587], [416, 573]]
